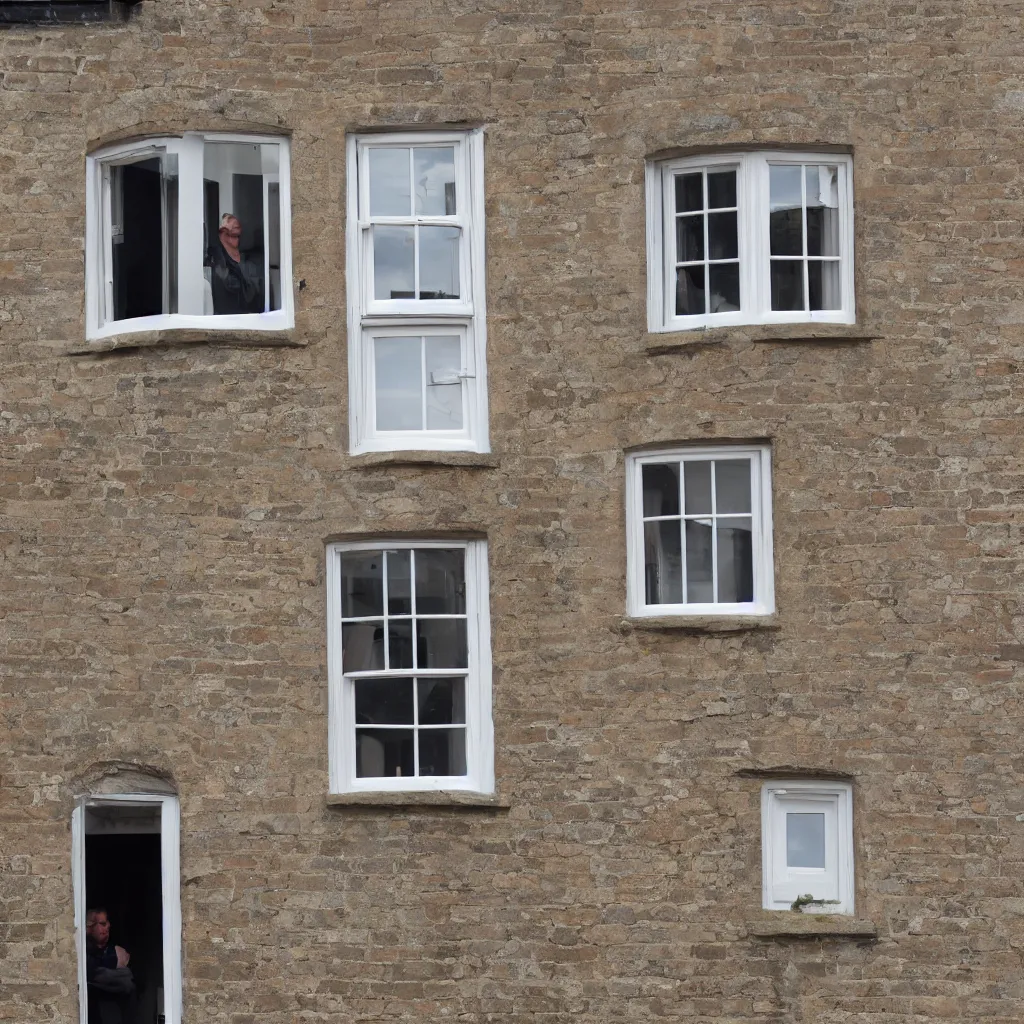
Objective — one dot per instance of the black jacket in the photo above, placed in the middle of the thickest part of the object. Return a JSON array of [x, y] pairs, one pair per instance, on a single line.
[[237, 287], [111, 991]]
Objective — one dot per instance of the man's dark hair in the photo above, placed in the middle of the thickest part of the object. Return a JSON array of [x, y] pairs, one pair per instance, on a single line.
[[97, 910]]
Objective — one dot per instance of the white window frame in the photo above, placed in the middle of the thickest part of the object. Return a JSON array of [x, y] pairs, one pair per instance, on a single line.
[[170, 892], [188, 147], [752, 196], [781, 885], [406, 317], [761, 531], [479, 776]]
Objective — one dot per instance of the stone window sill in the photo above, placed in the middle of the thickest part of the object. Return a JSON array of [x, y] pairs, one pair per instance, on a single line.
[[686, 341], [464, 460], [452, 799], [187, 336], [786, 924], [699, 623]]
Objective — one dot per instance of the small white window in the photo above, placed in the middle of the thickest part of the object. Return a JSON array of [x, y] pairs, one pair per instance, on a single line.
[[190, 231], [700, 532], [807, 845], [416, 292], [409, 667], [749, 238]]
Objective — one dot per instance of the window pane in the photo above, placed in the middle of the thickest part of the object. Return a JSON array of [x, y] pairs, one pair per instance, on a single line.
[[399, 583], [441, 643], [822, 183], [663, 563], [725, 287], [274, 242], [805, 840], [434, 170], [689, 192], [236, 201], [735, 560], [170, 247], [362, 646], [394, 262], [690, 238], [400, 643], [787, 284], [440, 582], [143, 231], [439, 262], [817, 231], [823, 284], [444, 400], [441, 701], [697, 486], [384, 701], [732, 485], [722, 241], [362, 588], [786, 211], [384, 753], [699, 586], [389, 183], [661, 489], [689, 291], [443, 752], [398, 383], [822, 210], [721, 189]]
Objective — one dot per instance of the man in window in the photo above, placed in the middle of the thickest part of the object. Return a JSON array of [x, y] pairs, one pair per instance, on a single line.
[[236, 277], [111, 985]]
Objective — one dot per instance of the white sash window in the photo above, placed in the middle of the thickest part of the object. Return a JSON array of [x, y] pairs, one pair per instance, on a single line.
[[416, 292]]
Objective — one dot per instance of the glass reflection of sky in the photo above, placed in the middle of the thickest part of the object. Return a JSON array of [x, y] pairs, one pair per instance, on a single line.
[[393, 261], [785, 189], [805, 840], [389, 183], [402, 392], [435, 180], [434, 175]]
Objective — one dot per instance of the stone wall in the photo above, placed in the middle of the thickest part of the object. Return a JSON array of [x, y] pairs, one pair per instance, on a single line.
[[163, 512]]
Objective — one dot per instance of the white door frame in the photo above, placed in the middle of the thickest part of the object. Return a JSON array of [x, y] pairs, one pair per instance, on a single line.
[[170, 892]]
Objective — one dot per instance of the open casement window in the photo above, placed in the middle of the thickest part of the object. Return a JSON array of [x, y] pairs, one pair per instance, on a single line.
[[807, 845], [409, 667], [125, 859], [750, 238], [191, 231], [416, 292], [700, 532]]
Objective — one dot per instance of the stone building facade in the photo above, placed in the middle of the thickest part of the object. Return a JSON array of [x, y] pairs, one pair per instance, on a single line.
[[169, 498]]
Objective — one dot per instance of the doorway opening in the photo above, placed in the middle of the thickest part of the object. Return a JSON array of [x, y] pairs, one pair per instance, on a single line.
[[126, 876]]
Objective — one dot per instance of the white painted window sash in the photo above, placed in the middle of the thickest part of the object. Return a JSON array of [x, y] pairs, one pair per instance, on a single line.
[[453, 440], [190, 240], [341, 692], [170, 894], [752, 193], [761, 532], [465, 317], [460, 219]]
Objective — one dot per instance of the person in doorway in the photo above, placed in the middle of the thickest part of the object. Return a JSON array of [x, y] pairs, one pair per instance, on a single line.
[[111, 987], [236, 278]]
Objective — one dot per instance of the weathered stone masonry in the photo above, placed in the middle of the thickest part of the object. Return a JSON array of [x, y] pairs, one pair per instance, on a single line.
[[164, 511]]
